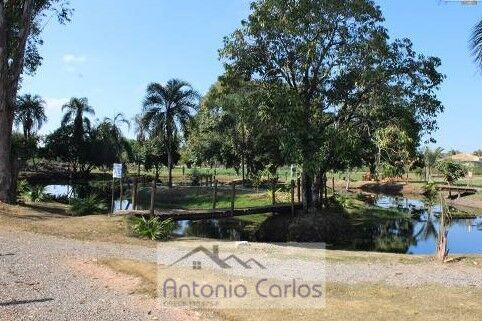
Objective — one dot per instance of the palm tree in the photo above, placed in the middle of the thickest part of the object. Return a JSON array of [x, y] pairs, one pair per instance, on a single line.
[[30, 113], [476, 43], [139, 128], [430, 158], [167, 109], [116, 123], [76, 109]]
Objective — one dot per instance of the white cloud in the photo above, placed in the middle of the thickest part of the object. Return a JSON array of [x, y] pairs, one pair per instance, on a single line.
[[55, 104], [73, 59]]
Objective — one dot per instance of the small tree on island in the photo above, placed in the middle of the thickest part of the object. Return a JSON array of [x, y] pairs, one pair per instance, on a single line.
[[452, 171]]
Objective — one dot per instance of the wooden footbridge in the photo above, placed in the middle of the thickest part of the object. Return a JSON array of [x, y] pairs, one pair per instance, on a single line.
[[200, 214], [460, 190], [214, 213]]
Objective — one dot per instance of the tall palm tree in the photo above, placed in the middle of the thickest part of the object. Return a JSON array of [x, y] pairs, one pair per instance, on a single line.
[[76, 109], [30, 113], [167, 109]]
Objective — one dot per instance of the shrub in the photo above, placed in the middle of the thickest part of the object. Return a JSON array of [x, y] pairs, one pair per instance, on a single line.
[[430, 190], [153, 228], [22, 187], [31, 193], [88, 205], [452, 171], [195, 177], [343, 201]]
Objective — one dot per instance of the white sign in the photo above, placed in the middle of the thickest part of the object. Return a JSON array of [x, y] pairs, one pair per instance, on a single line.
[[117, 170]]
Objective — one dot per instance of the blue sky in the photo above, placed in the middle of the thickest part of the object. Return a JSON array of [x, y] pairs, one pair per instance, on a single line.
[[113, 48]]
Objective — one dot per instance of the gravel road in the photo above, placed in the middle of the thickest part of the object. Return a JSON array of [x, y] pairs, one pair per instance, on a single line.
[[37, 284], [38, 281]]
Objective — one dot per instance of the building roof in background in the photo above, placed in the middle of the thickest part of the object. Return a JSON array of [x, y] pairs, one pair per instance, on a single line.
[[464, 157]]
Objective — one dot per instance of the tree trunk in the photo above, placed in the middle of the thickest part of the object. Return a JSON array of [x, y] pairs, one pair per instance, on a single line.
[[11, 66], [169, 156], [307, 181], [347, 188], [6, 162], [243, 154], [316, 190]]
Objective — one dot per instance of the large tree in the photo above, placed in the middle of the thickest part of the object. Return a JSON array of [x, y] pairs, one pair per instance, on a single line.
[[234, 127], [30, 113], [21, 23], [167, 110], [332, 62]]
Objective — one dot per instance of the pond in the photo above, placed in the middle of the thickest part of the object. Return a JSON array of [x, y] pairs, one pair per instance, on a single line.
[[414, 231], [100, 188]]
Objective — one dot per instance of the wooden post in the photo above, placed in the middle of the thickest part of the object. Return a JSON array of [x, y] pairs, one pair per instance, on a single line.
[[215, 193], [333, 184], [121, 193], [298, 184], [112, 201], [153, 197], [134, 194], [233, 196], [292, 197], [273, 192]]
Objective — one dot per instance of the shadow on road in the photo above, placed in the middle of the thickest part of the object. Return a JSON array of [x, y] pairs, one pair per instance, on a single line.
[[18, 302]]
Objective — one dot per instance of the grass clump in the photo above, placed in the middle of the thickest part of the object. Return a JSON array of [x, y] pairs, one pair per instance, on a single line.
[[153, 228], [89, 205]]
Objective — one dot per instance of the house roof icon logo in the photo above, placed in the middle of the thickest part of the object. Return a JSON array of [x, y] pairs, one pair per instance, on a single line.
[[226, 263]]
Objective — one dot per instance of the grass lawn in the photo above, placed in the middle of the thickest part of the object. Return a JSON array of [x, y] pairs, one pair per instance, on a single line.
[[202, 198]]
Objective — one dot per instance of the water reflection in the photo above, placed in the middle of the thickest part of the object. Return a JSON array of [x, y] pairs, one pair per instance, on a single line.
[[415, 232]]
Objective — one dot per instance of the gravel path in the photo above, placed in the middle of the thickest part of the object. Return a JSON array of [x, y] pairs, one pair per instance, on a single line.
[[38, 281], [37, 284]]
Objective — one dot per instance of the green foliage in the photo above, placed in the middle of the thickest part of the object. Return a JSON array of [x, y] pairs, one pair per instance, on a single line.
[[332, 79], [153, 228], [430, 158], [35, 193], [29, 193], [430, 191], [451, 170], [22, 186], [30, 113], [167, 111], [195, 177], [85, 206], [344, 201]]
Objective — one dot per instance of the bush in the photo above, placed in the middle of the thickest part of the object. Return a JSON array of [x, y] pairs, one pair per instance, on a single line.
[[153, 228], [343, 201], [452, 171], [430, 190], [195, 177], [30, 193], [89, 205], [22, 187]]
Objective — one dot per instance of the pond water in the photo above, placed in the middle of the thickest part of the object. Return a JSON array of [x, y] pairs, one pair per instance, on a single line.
[[103, 189], [414, 231]]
